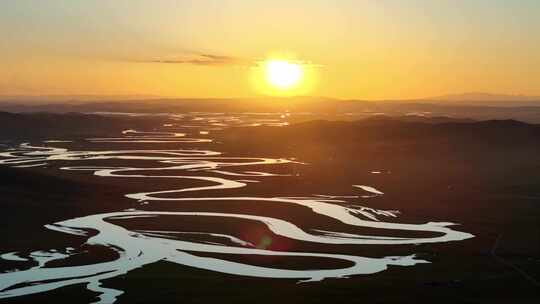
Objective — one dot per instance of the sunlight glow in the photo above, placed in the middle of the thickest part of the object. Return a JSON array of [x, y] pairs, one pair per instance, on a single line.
[[283, 74]]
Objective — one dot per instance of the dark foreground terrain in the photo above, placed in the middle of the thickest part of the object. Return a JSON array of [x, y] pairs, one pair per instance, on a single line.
[[483, 175]]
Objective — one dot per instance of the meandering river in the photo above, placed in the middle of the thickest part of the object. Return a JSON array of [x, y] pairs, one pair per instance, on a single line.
[[211, 171]]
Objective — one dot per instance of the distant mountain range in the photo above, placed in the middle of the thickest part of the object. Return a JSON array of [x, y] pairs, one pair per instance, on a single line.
[[46, 99], [473, 98], [77, 125], [477, 106], [488, 99]]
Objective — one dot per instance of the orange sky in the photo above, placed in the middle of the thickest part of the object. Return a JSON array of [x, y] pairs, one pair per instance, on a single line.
[[355, 49]]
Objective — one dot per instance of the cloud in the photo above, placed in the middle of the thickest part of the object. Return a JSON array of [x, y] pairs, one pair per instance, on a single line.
[[201, 59], [207, 59]]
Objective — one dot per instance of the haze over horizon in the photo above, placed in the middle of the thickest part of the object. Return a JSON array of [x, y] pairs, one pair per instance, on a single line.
[[472, 98], [353, 49]]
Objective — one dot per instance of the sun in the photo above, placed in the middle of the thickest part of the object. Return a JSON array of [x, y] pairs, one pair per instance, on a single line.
[[282, 74]]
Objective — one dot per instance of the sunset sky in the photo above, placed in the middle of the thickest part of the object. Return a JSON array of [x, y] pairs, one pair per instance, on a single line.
[[352, 48]]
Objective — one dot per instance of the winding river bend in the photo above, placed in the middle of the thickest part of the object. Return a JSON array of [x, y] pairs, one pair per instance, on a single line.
[[210, 170]]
